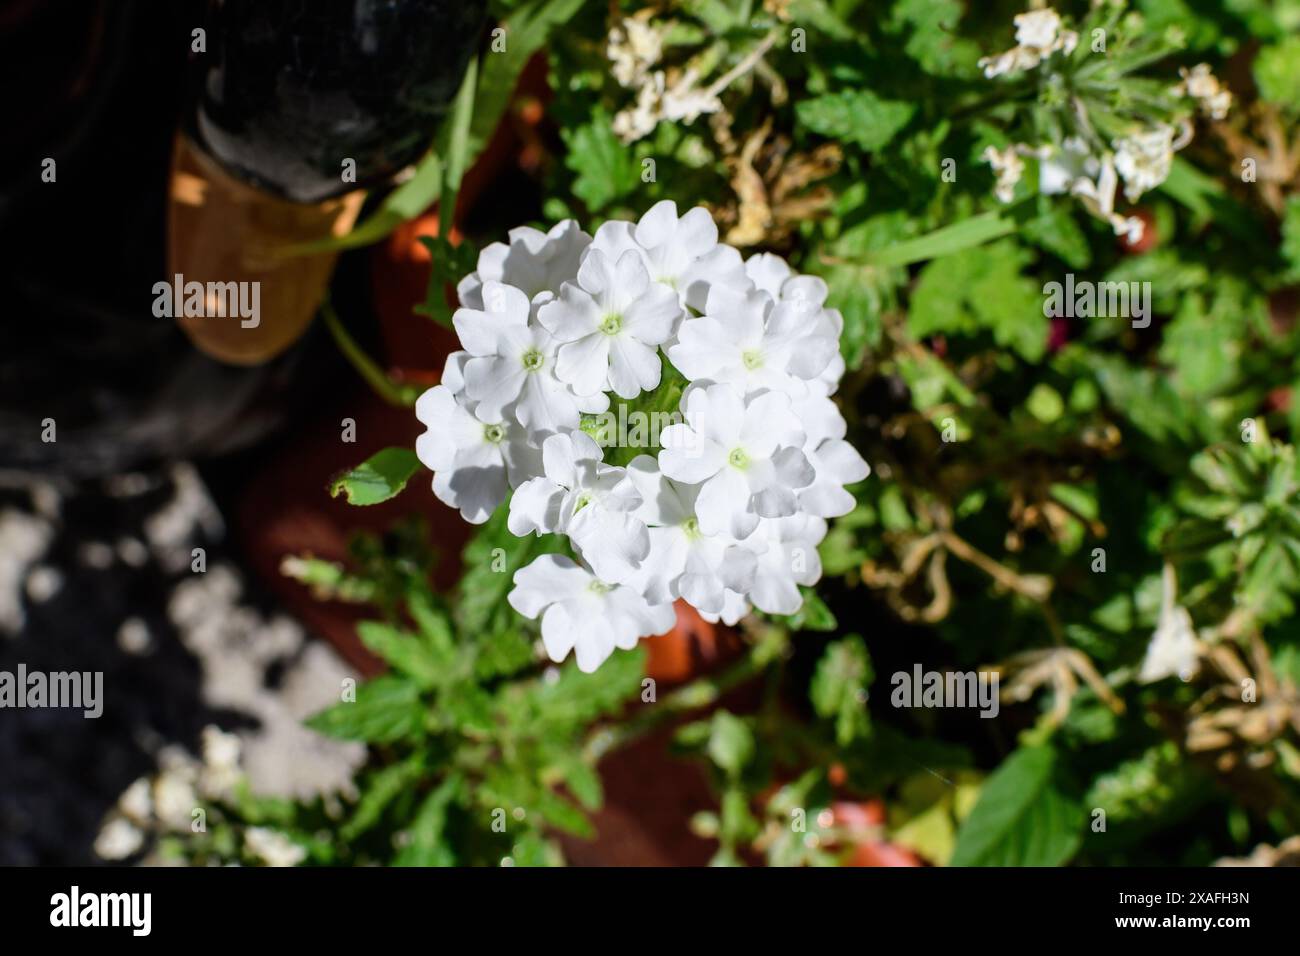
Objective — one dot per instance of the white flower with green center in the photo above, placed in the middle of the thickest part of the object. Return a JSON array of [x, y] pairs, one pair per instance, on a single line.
[[583, 614], [750, 341], [536, 262], [680, 253], [727, 516], [835, 463], [611, 323], [512, 370], [474, 463], [744, 452], [786, 557], [773, 275], [591, 502], [683, 561]]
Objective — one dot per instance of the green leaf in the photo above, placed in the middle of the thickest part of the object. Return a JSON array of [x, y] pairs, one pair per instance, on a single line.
[[378, 792], [563, 815], [401, 205], [1057, 232], [982, 289], [1277, 73], [813, 615], [329, 580], [1021, 818], [527, 30], [380, 477], [855, 116], [974, 231], [1291, 238], [410, 654], [839, 687], [454, 144], [605, 169], [583, 781], [934, 42], [490, 561], [731, 743], [386, 708], [426, 846]]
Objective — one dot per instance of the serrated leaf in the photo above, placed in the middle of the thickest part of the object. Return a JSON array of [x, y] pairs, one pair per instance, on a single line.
[[379, 791], [604, 168], [410, 654], [380, 477], [426, 846], [855, 116], [982, 290], [386, 708]]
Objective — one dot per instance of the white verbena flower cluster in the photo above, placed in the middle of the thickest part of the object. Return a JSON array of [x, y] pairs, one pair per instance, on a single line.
[[727, 513]]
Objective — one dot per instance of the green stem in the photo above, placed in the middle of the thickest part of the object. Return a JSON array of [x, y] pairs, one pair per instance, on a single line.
[[403, 396], [694, 696]]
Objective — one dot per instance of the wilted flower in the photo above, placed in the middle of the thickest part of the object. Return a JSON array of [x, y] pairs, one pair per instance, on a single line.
[[633, 46], [1008, 167], [1143, 159], [1201, 85], [1039, 34]]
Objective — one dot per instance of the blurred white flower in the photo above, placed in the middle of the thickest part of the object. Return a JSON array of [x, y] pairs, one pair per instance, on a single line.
[[1008, 167], [272, 847], [1091, 179], [1143, 159], [136, 802], [657, 100], [1202, 85], [1174, 650], [118, 840], [583, 614], [221, 771], [1039, 34], [633, 46], [174, 798]]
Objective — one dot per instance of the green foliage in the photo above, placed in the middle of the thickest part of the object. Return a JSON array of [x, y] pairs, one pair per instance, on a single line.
[[856, 116], [839, 688], [381, 476], [1045, 492], [1022, 818]]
